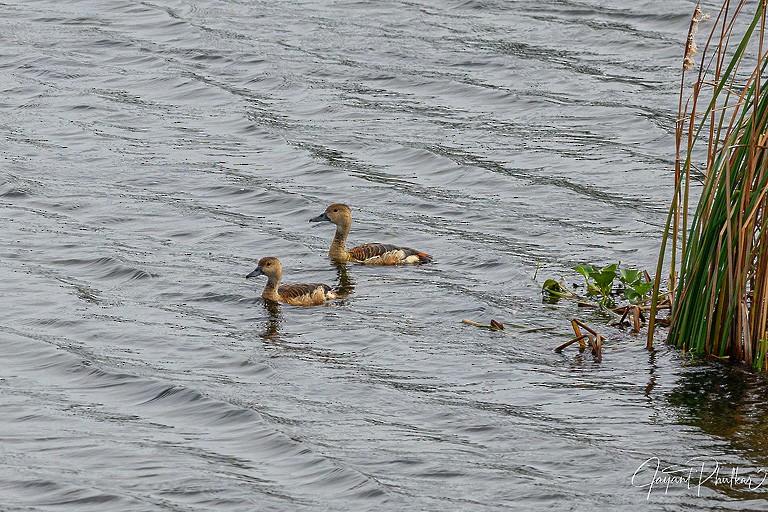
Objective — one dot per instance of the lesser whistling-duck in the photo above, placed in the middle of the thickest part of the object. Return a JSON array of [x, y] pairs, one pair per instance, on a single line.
[[294, 294], [369, 254]]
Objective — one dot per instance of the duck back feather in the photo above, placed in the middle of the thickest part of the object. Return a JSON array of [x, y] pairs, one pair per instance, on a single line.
[[305, 294], [387, 254]]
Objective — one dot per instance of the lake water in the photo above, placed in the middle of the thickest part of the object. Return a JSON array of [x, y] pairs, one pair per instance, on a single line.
[[153, 151]]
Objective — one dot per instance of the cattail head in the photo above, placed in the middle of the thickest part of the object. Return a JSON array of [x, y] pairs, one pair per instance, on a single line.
[[690, 44]]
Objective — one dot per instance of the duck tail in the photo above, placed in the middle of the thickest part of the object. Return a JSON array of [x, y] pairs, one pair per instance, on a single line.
[[424, 257]]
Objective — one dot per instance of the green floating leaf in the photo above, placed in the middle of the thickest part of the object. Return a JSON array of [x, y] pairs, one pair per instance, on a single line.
[[552, 291], [550, 285]]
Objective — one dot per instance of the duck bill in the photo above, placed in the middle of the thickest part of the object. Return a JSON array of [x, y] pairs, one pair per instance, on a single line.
[[257, 272], [320, 218]]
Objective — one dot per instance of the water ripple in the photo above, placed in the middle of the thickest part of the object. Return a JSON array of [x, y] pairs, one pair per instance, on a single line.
[[154, 151]]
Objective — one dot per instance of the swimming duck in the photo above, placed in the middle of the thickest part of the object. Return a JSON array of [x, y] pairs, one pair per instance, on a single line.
[[368, 254], [294, 294]]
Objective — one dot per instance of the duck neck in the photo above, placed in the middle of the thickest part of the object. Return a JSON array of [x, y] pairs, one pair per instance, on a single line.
[[338, 249], [270, 291]]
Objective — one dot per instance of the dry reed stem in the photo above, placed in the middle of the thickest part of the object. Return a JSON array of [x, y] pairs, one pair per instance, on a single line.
[[595, 339], [494, 325], [570, 342], [597, 349]]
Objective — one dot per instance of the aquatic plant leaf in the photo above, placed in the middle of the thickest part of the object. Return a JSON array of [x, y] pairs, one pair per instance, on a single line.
[[605, 277], [585, 270], [593, 290], [638, 292], [630, 276], [552, 291], [643, 288], [550, 285]]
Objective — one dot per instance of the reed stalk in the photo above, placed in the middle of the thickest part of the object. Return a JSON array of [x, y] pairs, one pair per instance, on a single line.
[[718, 271]]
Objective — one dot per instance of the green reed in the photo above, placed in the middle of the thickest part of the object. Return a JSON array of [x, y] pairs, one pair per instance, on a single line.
[[719, 292]]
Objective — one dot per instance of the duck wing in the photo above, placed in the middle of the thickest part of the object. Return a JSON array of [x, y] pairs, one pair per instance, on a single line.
[[305, 294], [387, 254]]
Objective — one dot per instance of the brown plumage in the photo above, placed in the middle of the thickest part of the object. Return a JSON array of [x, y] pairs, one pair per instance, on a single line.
[[294, 294], [369, 254]]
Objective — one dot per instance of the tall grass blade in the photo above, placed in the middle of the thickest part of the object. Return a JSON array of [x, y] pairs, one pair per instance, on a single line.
[[719, 291]]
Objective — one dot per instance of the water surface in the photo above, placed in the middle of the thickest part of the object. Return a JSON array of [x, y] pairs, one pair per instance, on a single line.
[[152, 152]]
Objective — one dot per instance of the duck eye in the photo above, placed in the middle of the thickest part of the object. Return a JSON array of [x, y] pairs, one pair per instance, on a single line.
[[335, 210]]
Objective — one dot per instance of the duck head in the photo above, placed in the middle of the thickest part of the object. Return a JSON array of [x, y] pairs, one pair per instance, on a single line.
[[268, 266], [337, 213]]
